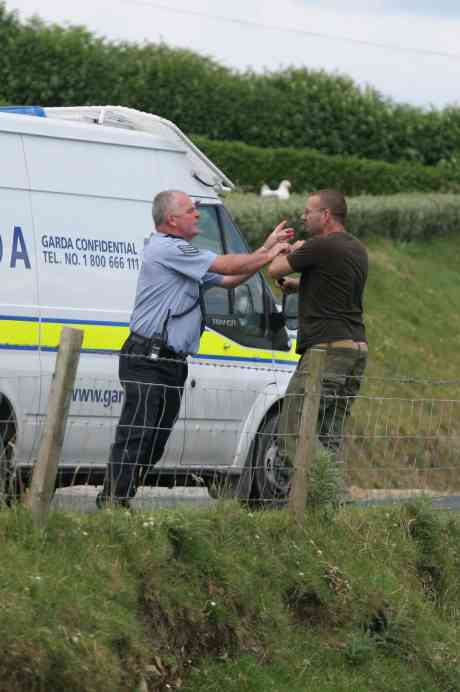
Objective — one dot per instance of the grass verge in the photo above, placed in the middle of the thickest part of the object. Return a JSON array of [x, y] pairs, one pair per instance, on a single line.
[[224, 599]]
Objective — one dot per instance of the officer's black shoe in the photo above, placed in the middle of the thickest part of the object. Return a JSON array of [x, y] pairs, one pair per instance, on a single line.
[[107, 502]]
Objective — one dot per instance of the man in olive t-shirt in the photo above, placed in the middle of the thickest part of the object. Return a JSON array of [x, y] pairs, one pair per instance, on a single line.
[[333, 268]]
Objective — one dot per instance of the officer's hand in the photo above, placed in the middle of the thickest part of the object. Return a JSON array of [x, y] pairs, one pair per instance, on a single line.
[[279, 235], [280, 249]]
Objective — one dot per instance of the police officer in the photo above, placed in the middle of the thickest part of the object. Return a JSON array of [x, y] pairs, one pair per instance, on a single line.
[[165, 327]]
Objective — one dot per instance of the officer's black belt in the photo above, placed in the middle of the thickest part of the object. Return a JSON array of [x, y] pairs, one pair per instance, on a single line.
[[163, 350]]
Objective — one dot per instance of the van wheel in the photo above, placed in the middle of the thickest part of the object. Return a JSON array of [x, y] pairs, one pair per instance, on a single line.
[[271, 477]]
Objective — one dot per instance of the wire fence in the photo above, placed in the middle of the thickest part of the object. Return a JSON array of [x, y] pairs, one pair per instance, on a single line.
[[401, 440]]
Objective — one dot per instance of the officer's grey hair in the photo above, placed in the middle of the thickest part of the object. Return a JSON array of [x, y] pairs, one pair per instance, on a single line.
[[164, 203]]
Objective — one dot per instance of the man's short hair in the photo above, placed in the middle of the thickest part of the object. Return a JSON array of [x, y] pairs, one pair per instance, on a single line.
[[334, 201], [163, 204]]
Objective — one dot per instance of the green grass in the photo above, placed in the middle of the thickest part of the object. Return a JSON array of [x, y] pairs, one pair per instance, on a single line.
[[411, 408], [224, 599]]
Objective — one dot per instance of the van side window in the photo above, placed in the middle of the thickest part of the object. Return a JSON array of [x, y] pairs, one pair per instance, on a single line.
[[233, 239], [216, 299], [256, 328], [209, 237]]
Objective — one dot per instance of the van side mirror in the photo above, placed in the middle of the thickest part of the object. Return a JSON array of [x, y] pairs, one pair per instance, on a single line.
[[291, 310]]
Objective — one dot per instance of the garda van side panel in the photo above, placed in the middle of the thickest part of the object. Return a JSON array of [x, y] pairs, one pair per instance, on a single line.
[[19, 328], [106, 170], [12, 171], [89, 254]]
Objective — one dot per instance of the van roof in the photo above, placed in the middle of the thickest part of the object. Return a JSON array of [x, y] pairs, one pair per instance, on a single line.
[[131, 119]]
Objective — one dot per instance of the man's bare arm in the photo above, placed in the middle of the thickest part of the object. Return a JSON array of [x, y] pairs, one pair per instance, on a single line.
[[279, 267]]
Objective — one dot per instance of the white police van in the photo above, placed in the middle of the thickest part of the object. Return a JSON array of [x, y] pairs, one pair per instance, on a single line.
[[76, 186]]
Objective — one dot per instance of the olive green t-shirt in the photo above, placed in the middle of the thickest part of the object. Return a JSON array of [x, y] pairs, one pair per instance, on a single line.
[[333, 276]]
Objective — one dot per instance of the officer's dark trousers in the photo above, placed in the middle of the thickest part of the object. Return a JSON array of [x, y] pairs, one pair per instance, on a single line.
[[153, 392]]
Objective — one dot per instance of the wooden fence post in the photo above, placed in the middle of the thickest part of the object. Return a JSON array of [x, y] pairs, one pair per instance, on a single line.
[[45, 470], [306, 444]]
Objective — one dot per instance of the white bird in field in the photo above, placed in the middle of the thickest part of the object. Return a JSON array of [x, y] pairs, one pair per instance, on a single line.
[[281, 193]]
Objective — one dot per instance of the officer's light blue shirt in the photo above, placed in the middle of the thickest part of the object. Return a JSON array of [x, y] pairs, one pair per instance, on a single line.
[[171, 274]]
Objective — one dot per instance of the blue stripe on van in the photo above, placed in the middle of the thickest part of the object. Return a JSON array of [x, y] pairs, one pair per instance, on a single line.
[[59, 320]]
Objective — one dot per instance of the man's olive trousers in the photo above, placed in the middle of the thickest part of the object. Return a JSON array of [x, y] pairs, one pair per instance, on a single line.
[[343, 372]]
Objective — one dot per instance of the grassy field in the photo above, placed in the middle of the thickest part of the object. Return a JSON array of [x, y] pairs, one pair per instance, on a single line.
[[222, 599], [411, 409]]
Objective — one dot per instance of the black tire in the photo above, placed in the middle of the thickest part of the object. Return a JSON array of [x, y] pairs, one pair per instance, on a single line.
[[271, 478]]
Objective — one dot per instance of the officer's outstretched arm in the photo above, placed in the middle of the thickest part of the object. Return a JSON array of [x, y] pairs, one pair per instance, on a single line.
[[236, 280], [247, 264]]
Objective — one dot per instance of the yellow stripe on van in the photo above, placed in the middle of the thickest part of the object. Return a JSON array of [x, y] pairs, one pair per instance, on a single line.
[[29, 333], [97, 337], [217, 345], [19, 333]]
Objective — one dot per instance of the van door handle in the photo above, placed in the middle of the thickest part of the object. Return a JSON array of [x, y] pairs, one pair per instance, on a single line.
[[227, 345], [193, 384]]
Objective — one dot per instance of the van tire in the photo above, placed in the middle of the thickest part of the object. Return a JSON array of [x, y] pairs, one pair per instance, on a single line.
[[271, 479]]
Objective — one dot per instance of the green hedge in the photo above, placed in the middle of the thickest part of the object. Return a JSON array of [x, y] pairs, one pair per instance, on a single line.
[[401, 217], [52, 65], [307, 169]]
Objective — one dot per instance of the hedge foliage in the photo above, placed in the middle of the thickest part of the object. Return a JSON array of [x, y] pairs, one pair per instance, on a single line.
[[52, 65], [400, 217], [307, 169]]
